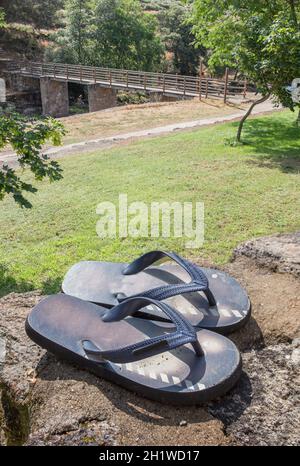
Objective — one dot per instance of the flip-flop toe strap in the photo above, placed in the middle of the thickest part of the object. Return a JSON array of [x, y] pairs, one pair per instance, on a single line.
[[184, 333], [199, 281]]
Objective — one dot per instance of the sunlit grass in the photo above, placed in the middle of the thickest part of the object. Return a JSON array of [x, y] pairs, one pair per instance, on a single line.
[[248, 191]]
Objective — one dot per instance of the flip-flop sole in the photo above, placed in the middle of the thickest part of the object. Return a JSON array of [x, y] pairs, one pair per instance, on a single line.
[[60, 323], [103, 282]]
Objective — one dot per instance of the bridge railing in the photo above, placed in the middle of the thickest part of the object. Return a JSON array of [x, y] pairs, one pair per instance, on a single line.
[[136, 80]]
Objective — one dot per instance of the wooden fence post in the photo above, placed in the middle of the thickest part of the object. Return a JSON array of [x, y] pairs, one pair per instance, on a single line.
[[206, 88], [245, 88], [145, 81], [184, 85], [200, 78], [54, 71], [226, 85], [164, 83], [95, 76], [127, 80], [110, 79], [80, 73]]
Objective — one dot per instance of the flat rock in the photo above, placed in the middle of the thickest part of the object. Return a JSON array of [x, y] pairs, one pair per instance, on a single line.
[[263, 409], [47, 402], [279, 253], [275, 300], [2, 425]]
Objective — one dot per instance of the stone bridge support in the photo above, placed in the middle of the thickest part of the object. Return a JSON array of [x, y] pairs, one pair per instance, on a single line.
[[23, 93], [101, 97], [19, 83], [55, 97]]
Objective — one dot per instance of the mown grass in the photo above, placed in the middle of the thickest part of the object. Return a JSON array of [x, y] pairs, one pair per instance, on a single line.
[[248, 191]]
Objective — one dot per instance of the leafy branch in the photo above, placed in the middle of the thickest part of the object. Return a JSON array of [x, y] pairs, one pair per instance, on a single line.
[[27, 138]]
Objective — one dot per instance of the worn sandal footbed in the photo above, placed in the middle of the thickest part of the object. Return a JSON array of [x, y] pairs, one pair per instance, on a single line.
[[208, 298], [177, 366]]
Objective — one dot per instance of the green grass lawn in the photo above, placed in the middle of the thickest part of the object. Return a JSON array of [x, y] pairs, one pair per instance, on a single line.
[[248, 191]]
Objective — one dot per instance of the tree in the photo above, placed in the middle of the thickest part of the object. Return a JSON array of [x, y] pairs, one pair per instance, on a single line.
[[260, 39], [126, 37], [111, 33], [39, 13], [179, 38], [27, 137], [74, 42], [2, 18]]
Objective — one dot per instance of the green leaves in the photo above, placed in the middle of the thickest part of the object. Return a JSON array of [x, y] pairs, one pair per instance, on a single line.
[[109, 33], [27, 138], [2, 18], [39, 13], [176, 31], [259, 39]]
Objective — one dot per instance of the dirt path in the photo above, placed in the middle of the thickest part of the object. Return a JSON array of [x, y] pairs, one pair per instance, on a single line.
[[10, 158]]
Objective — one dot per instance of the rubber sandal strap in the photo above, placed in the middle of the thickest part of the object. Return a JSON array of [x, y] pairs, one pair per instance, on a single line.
[[184, 333], [199, 281]]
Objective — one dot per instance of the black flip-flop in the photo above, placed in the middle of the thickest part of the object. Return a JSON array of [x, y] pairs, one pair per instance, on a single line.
[[178, 365], [207, 298]]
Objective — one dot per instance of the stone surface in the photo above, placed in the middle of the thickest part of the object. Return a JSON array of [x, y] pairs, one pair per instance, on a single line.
[[279, 252], [275, 299], [263, 409], [2, 91], [16, 82], [101, 98], [23, 94], [50, 402], [47, 402], [2, 419], [295, 357], [55, 97], [2, 425]]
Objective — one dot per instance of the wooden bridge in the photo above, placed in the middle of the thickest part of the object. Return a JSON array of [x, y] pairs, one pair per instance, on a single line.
[[170, 85]]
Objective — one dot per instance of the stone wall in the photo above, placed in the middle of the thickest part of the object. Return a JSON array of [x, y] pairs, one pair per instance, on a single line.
[[101, 98], [22, 93]]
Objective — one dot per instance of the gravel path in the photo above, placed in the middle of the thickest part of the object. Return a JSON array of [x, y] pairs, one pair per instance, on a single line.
[[10, 158]]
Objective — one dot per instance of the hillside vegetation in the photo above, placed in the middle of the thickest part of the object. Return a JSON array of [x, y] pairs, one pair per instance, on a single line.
[[159, 5], [152, 35]]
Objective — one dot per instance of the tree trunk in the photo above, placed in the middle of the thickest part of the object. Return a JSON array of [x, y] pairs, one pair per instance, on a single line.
[[298, 118], [240, 128], [293, 12]]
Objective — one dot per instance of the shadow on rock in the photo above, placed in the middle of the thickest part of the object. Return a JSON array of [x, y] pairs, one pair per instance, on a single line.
[[133, 405], [248, 337], [231, 407]]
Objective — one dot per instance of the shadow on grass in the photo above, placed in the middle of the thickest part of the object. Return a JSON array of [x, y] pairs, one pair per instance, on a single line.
[[9, 284], [51, 285], [276, 141]]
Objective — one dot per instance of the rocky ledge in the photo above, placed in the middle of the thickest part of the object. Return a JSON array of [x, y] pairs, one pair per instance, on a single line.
[[48, 402], [279, 252]]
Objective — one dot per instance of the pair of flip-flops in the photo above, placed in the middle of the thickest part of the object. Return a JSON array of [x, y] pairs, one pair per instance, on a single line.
[[156, 330]]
